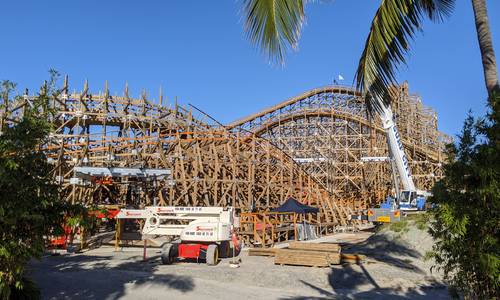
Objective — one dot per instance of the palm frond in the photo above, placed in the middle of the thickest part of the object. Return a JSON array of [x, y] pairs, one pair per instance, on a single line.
[[395, 24], [274, 26], [437, 10]]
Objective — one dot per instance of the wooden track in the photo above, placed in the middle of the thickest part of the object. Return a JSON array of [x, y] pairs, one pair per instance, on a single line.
[[251, 164], [328, 130], [211, 166]]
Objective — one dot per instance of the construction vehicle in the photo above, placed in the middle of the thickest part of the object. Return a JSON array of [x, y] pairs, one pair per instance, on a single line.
[[409, 198], [200, 232]]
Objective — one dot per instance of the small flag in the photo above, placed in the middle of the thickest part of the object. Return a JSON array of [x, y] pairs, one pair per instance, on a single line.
[[341, 77]]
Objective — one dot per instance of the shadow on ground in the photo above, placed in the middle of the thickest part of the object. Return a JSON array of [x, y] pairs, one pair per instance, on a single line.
[[93, 277], [351, 281], [388, 248], [424, 292]]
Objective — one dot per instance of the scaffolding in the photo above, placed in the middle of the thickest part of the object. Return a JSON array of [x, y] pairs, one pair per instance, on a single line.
[[308, 147], [328, 131]]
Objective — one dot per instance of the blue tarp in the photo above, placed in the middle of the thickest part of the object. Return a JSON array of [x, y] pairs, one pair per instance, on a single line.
[[292, 205]]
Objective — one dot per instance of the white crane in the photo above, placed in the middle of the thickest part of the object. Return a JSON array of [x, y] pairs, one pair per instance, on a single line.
[[409, 195], [409, 198]]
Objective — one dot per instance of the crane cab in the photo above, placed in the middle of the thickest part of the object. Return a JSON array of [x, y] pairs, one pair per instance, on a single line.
[[412, 200]]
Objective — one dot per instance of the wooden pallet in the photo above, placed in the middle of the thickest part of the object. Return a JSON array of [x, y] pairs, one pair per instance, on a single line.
[[306, 258], [315, 247], [307, 254]]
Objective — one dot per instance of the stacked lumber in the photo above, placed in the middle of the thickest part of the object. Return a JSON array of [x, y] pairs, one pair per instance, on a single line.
[[326, 247], [302, 258], [308, 254]]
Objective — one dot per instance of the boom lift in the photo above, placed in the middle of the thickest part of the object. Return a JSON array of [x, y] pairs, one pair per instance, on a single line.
[[409, 198], [203, 232]]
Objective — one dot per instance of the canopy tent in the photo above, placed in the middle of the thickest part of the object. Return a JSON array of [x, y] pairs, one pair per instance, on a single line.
[[292, 205]]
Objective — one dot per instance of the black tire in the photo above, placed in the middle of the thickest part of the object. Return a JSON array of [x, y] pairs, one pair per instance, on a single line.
[[212, 255], [225, 249], [167, 257]]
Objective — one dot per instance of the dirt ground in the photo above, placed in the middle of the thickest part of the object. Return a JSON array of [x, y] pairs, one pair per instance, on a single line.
[[395, 269]]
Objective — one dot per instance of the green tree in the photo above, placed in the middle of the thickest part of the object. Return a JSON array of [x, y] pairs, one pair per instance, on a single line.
[[467, 215], [466, 222], [29, 206], [275, 27]]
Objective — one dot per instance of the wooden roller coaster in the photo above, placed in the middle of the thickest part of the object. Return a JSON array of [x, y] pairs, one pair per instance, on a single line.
[[308, 147], [328, 130]]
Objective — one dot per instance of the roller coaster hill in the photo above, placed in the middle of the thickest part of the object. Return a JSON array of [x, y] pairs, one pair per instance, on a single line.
[[119, 151]]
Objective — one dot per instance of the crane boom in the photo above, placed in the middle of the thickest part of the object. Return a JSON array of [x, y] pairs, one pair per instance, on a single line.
[[409, 198], [396, 150]]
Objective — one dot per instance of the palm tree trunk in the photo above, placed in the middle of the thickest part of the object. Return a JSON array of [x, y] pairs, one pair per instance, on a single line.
[[486, 46]]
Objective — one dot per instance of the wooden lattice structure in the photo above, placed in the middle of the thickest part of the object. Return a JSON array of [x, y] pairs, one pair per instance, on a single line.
[[308, 147], [328, 131], [210, 165]]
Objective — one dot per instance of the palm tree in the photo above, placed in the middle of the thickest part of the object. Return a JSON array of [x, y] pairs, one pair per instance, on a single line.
[[486, 46], [275, 27]]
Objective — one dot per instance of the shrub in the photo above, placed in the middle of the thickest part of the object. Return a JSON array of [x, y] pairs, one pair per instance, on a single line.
[[401, 226], [29, 206], [466, 221]]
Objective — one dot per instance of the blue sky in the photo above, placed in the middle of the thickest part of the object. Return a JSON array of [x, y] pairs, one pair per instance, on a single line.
[[197, 51]]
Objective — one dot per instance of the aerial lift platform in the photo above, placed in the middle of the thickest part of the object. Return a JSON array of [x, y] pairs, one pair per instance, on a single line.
[[205, 233]]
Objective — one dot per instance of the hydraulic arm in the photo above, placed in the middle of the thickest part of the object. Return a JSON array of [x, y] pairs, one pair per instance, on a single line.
[[409, 198], [396, 150]]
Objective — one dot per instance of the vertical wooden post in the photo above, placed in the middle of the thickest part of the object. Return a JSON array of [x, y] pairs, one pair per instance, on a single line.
[[294, 226], [161, 97], [82, 238], [117, 234], [273, 238]]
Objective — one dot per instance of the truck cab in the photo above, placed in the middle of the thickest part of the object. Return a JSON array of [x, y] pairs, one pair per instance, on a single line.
[[412, 200]]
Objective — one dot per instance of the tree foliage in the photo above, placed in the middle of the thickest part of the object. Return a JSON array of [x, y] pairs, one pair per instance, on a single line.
[[29, 207], [467, 215], [275, 26], [393, 27]]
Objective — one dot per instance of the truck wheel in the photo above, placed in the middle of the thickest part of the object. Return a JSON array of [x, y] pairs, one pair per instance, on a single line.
[[225, 249], [212, 255], [166, 254]]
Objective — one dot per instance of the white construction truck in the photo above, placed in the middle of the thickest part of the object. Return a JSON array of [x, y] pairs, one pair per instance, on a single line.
[[201, 232]]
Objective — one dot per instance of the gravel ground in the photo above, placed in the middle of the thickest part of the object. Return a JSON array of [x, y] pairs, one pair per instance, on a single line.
[[394, 270]]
